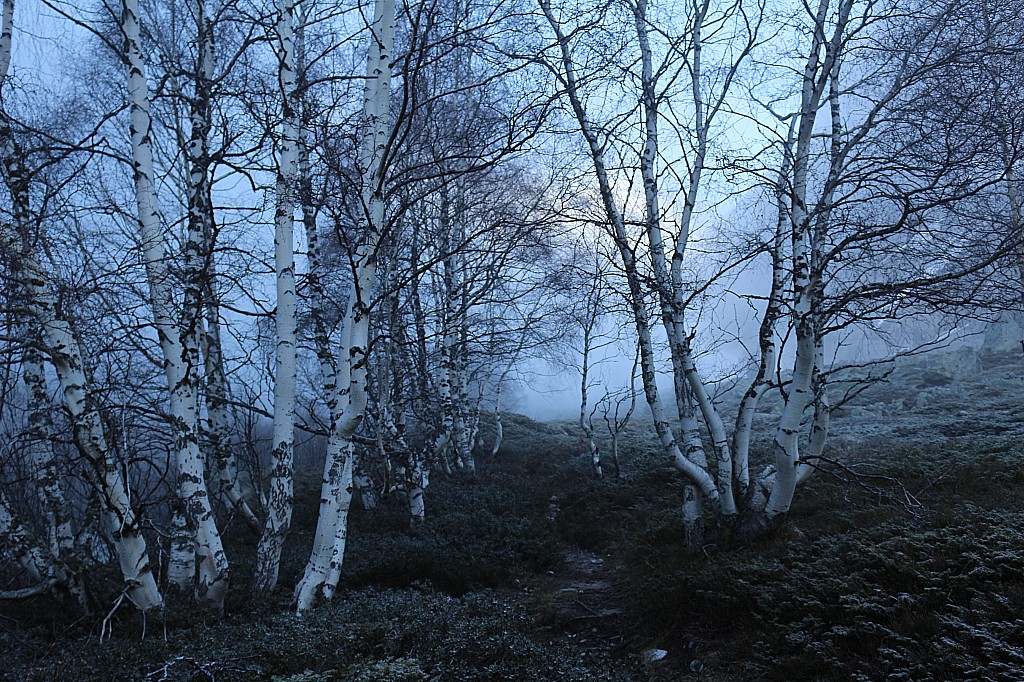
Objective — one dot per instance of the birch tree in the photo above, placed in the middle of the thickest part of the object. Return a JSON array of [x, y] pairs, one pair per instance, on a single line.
[[323, 570], [872, 234], [449, 236], [844, 198], [178, 342], [589, 319], [202, 229], [65, 354], [564, 70], [279, 503]]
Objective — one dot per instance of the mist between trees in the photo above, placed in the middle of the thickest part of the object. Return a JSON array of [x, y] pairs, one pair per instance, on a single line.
[[364, 223]]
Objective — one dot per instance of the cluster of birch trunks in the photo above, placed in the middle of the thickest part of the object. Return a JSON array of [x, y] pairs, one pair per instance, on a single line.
[[503, 180]]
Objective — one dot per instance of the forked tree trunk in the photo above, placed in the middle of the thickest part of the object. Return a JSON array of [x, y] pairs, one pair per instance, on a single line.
[[60, 539], [324, 567], [689, 387], [637, 300], [818, 73], [66, 568], [616, 424], [178, 342], [45, 570], [767, 345]]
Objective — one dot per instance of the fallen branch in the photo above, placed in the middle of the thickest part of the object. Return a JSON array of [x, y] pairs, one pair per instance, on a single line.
[[896, 492], [28, 592]]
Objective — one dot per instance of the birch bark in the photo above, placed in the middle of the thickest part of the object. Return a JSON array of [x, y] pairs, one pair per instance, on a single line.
[[220, 432], [119, 518], [279, 502], [767, 345], [65, 354], [689, 387], [499, 429], [589, 323], [60, 536], [178, 343], [586, 425], [60, 539], [817, 74], [324, 567]]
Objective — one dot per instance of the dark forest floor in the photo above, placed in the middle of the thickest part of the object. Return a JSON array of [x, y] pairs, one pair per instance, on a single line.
[[535, 571]]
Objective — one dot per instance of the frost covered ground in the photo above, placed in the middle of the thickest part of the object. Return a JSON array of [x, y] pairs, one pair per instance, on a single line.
[[913, 570]]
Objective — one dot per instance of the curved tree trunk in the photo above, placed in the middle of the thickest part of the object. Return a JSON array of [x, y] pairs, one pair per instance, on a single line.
[[324, 567], [65, 354]]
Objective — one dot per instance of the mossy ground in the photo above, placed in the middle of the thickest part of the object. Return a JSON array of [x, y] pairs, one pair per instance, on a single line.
[[915, 572]]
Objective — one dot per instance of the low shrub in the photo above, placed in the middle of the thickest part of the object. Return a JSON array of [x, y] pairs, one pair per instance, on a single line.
[[870, 592], [477, 534], [366, 635]]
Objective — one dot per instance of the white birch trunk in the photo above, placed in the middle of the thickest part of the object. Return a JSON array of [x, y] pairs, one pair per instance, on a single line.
[[343, 493], [450, 434], [181, 556], [47, 479], [367, 494], [670, 292], [767, 344], [324, 567], [60, 538], [444, 437], [416, 475], [65, 354], [178, 344], [805, 295], [586, 425], [822, 414], [499, 430], [819, 386], [465, 416], [279, 507], [118, 516], [636, 296], [46, 476], [220, 431], [331, 529], [693, 515]]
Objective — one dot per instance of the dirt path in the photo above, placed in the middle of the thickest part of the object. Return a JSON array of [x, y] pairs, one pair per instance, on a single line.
[[577, 600]]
